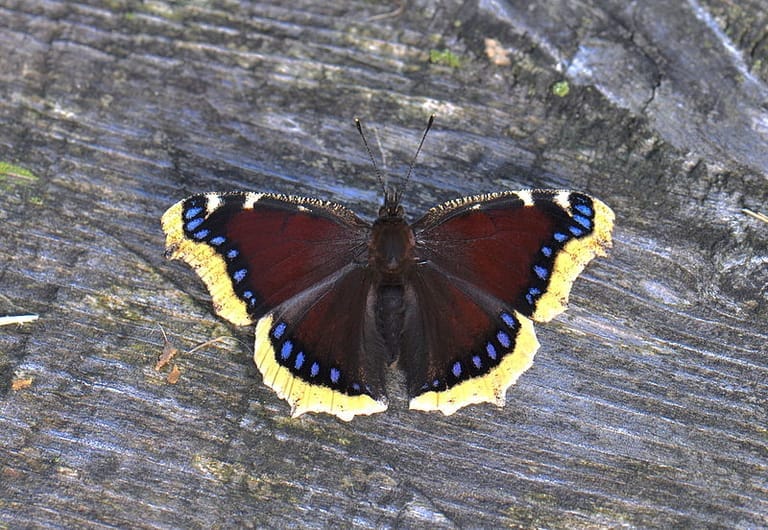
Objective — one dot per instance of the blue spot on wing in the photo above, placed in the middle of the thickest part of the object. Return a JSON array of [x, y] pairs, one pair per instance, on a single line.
[[239, 275], [583, 221], [299, 360], [314, 369], [285, 351], [547, 251], [194, 223], [456, 369], [232, 253], [560, 237], [508, 319], [491, 350], [217, 241], [532, 294], [584, 209], [541, 272], [201, 234], [192, 212], [576, 231], [504, 339], [279, 329], [335, 374], [477, 361]]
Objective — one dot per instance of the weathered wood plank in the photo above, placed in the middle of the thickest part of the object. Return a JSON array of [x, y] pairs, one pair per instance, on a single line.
[[646, 406]]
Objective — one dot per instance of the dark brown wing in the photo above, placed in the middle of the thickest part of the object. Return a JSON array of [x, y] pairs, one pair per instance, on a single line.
[[488, 264], [257, 250], [297, 268]]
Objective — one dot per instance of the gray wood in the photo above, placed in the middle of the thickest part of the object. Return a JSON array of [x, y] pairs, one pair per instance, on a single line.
[[646, 406]]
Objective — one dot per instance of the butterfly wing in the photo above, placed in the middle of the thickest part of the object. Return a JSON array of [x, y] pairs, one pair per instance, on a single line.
[[320, 351], [497, 261], [290, 265], [461, 346]]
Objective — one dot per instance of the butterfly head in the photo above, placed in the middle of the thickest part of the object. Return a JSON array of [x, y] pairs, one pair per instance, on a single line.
[[391, 208]]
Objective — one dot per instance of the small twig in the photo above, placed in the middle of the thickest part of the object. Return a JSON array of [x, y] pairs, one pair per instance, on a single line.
[[170, 351], [174, 375], [757, 215], [391, 14], [208, 343], [17, 319]]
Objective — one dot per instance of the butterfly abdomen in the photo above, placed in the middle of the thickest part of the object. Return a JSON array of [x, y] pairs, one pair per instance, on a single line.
[[390, 311]]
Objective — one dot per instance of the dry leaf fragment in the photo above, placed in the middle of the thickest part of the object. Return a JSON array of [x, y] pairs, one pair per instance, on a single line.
[[496, 52], [21, 383], [169, 352], [174, 375]]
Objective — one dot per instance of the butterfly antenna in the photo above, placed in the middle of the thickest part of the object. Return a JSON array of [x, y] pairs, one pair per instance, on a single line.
[[359, 126], [416, 155]]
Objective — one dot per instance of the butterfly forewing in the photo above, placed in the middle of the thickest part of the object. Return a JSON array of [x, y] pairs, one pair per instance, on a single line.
[[525, 248], [255, 250]]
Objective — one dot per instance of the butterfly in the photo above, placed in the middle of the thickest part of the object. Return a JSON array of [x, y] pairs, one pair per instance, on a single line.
[[450, 298]]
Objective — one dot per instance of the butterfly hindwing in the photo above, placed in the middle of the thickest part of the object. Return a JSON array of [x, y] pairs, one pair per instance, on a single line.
[[318, 350], [461, 346]]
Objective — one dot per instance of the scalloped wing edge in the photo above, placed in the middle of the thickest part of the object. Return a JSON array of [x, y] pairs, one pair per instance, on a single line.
[[206, 262], [488, 388], [573, 258], [302, 396]]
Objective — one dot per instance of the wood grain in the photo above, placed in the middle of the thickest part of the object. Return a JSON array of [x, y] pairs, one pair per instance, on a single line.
[[646, 406]]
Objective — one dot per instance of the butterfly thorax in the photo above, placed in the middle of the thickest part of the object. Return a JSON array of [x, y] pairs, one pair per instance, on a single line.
[[391, 248]]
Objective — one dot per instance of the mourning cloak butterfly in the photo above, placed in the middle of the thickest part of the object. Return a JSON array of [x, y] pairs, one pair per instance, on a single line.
[[335, 300]]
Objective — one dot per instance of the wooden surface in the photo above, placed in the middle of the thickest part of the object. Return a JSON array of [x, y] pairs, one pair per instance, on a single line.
[[646, 406]]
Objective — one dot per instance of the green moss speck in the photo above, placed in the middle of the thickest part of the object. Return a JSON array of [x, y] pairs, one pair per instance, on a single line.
[[561, 89], [444, 57], [15, 172]]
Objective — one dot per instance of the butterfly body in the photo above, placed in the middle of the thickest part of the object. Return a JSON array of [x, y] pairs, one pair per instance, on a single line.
[[335, 300]]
